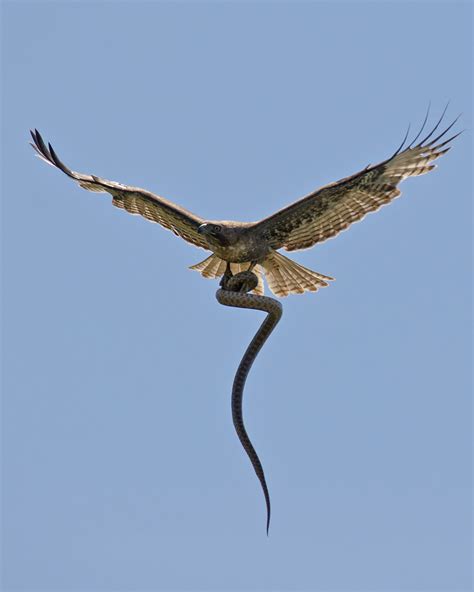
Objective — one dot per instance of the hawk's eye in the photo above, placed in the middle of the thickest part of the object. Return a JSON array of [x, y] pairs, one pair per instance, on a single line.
[[217, 228]]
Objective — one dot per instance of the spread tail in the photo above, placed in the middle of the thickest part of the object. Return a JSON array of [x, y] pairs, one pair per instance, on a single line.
[[285, 276]]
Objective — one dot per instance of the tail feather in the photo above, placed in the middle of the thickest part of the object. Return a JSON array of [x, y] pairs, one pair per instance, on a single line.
[[211, 267], [298, 281], [277, 279], [284, 276]]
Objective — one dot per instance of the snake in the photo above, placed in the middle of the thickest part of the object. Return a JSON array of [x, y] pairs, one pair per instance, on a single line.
[[234, 292]]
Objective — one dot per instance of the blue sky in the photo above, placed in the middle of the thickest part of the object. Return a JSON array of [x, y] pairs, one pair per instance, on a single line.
[[120, 464]]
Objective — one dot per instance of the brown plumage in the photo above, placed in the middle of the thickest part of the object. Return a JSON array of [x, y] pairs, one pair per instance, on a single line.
[[310, 220]]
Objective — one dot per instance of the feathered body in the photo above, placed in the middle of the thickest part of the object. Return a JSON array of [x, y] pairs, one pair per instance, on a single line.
[[313, 219], [235, 241]]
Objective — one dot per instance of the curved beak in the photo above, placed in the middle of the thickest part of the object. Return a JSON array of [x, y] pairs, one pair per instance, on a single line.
[[202, 229]]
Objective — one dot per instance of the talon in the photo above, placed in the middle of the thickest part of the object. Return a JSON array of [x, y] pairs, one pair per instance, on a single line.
[[224, 283], [242, 282]]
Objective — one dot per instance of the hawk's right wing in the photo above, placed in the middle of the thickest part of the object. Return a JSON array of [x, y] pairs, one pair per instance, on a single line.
[[325, 212], [132, 199]]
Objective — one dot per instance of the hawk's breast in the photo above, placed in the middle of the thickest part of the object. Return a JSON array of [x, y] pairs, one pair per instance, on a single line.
[[247, 248]]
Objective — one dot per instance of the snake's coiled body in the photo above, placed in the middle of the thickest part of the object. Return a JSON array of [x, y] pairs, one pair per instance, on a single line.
[[235, 294]]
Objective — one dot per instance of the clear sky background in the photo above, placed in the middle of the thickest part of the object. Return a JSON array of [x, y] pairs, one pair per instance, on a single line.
[[121, 466]]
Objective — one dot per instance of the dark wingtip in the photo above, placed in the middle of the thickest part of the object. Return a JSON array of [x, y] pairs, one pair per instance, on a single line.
[[449, 140], [58, 163], [423, 125], [54, 156], [39, 147], [268, 504], [436, 126], [48, 154], [403, 142], [444, 132], [432, 142]]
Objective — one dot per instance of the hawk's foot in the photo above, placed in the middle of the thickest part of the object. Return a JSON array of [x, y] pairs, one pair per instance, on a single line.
[[244, 281], [226, 278]]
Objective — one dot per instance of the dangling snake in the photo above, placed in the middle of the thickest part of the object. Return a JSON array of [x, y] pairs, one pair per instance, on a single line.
[[234, 293]]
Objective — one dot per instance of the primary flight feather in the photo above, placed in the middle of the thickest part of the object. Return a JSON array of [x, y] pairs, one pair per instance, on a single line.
[[237, 246]]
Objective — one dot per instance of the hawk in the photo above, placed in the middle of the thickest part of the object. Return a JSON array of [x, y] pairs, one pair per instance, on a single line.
[[240, 246]]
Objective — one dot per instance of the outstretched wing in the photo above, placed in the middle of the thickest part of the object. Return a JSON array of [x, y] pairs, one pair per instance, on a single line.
[[325, 212], [132, 199]]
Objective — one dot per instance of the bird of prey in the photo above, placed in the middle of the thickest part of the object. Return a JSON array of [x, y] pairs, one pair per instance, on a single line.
[[239, 246]]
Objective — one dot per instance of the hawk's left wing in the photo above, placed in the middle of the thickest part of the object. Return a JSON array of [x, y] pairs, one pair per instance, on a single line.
[[325, 212], [132, 199]]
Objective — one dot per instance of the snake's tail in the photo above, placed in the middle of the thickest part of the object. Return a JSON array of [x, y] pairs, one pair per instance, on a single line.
[[237, 416], [274, 311]]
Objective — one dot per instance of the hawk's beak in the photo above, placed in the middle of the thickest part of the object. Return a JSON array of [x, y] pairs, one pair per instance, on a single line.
[[202, 229]]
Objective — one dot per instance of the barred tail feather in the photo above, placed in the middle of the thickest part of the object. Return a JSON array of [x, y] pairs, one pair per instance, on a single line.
[[212, 267], [285, 276]]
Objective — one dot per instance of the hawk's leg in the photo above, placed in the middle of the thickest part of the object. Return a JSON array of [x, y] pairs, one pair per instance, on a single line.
[[252, 265], [243, 282], [226, 277]]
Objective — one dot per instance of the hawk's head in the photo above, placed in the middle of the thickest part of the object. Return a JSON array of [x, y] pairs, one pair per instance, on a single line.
[[216, 234]]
